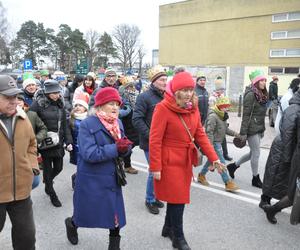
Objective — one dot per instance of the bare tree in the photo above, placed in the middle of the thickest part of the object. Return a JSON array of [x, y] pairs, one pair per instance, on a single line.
[[141, 54], [126, 41], [4, 51], [92, 38]]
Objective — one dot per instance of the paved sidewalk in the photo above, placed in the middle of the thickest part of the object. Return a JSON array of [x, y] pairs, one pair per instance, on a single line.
[[235, 124]]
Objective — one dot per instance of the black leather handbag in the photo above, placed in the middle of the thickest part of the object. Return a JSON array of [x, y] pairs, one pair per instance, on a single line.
[[120, 173]]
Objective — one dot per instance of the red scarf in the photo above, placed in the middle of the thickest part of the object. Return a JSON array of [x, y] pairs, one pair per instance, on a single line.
[[110, 123], [90, 89]]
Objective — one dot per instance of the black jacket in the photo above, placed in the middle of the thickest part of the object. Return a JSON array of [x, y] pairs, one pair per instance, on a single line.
[[275, 183], [48, 111], [256, 124], [203, 99], [283, 166], [273, 91], [103, 84], [143, 112], [290, 133]]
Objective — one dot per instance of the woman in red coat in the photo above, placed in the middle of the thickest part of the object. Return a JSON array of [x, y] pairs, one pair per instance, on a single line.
[[172, 152]]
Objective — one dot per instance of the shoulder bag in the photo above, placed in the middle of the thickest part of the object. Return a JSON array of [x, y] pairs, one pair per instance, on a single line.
[[120, 173], [52, 138]]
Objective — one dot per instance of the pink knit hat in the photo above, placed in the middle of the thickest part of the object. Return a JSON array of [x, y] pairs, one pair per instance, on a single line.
[[182, 80], [83, 100]]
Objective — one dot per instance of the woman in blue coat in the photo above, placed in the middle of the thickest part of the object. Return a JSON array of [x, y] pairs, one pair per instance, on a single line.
[[98, 200]]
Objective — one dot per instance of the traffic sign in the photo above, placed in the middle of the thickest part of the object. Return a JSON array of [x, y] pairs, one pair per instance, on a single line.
[[27, 64], [82, 68]]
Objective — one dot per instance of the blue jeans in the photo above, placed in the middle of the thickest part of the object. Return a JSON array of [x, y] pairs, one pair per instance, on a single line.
[[219, 151], [150, 196]]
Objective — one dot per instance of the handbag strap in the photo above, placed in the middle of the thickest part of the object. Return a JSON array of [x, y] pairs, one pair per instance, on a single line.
[[189, 132], [186, 128], [59, 120]]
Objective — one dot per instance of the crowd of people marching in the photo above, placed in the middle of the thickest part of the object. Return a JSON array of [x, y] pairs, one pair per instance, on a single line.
[[174, 121]]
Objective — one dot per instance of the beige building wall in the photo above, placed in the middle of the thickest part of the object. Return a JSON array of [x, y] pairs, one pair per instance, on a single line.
[[225, 32]]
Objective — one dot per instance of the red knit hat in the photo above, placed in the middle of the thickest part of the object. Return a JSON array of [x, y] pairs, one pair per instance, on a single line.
[[182, 80], [107, 94]]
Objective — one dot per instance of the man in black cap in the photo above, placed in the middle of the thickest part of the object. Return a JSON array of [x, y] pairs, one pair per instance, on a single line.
[[18, 166]]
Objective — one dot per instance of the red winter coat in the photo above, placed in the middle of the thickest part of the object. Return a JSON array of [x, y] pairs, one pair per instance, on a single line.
[[173, 153]]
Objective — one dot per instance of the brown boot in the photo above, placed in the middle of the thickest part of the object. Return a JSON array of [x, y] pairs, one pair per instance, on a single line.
[[230, 186], [131, 170], [202, 180]]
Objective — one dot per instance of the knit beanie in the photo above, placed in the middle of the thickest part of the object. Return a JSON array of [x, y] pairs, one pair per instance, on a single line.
[[256, 76], [219, 84], [223, 102], [44, 72], [106, 95], [110, 71], [28, 81], [156, 72], [92, 74], [83, 100], [182, 80]]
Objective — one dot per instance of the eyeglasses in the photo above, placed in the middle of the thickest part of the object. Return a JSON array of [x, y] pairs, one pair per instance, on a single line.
[[111, 76]]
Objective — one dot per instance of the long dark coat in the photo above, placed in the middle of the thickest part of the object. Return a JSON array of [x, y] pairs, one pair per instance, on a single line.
[[282, 166], [97, 197]]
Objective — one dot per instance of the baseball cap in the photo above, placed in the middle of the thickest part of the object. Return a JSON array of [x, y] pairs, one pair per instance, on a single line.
[[8, 86]]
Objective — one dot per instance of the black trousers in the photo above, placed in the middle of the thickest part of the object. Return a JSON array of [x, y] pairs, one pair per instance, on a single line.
[[127, 160], [21, 217], [174, 218], [52, 167]]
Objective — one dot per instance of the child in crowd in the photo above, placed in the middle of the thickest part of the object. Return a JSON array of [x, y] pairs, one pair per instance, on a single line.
[[216, 127], [78, 113]]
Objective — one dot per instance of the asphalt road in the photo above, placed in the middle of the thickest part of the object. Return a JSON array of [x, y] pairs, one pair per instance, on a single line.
[[215, 219]]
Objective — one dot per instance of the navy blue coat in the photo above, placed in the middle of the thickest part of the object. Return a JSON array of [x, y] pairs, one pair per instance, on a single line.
[[97, 196], [143, 112], [74, 132]]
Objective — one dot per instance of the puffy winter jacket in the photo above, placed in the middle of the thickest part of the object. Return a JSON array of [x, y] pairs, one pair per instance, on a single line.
[[50, 112], [256, 124]]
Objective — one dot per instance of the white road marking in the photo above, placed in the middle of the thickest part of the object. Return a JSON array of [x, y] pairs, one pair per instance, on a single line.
[[144, 168]]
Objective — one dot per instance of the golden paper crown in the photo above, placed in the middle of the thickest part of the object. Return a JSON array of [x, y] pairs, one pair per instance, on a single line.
[[126, 80]]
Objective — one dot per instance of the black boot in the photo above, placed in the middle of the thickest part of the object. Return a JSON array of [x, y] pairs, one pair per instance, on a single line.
[[114, 243], [256, 182], [54, 200], [180, 243], [264, 200], [232, 167], [271, 211], [167, 232], [71, 229]]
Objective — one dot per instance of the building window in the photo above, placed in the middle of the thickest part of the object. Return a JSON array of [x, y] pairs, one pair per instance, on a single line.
[[282, 70], [290, 34], [290, 70], [285, 17], [285, 52], [275, 70]]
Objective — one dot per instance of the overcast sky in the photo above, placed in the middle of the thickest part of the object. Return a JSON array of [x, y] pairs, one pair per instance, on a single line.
[[98, 15]]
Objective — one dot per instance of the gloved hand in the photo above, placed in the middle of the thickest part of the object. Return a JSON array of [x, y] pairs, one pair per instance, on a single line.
[[69, 148], [123, 145]]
